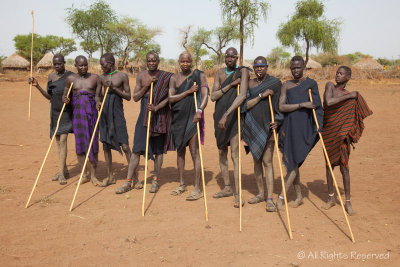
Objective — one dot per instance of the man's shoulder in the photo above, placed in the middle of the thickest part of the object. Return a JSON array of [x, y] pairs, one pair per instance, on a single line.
[[122, 74], [51, 76]]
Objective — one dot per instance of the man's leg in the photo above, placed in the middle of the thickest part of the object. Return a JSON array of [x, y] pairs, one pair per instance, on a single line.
[[235, 159], [93, 171], [131, 176], [194, 152], [180, 158], [331, 194], [158, 161], [297, 188], [127, 152], [62, 153], [223, 164], [108, 159], [346, 183], [289, 180], [86, 173], [269, 175], [258, 175]]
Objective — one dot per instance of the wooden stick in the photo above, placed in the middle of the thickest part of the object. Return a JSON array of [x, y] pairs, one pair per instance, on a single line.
[[201, 159], [240, 165], [280, 166], [48, 150], [147, 150], [330, 168], [90, 147], [30, 85]]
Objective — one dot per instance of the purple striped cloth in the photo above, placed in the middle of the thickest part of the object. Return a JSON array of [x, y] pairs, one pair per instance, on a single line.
[[83, 123]]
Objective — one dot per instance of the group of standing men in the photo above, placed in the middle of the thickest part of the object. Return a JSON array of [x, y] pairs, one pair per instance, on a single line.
[[174, 117]]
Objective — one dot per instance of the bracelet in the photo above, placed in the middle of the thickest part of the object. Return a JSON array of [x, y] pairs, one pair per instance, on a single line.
[[222, 91], [299, 105], [200, 110], [259, 95]]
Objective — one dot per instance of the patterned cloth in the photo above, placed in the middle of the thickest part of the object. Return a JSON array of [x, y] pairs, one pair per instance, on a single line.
[[256, 126], [343, 125], [298, 133], [182, 126], [56, 90], [83, 123]]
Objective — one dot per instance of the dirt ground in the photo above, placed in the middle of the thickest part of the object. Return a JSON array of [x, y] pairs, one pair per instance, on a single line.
[[106, 229]]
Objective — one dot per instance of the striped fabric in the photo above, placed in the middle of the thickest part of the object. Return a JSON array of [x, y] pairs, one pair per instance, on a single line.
[[343, 125]]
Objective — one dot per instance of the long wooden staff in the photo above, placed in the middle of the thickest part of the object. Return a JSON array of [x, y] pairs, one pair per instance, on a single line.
[[30, 85], [147, 149], [240, 165], [90, 147], [48, 150], [201, 159], [330, 168], [280, 166]]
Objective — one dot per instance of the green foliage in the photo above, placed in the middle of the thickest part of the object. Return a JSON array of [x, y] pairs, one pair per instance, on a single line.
[[388, 62], [330, 59], [278, 58], [90, 26], [2, 58], [247, 14], [208, 64], [307, 25], [351, 58], [360, 55], [42, 45]]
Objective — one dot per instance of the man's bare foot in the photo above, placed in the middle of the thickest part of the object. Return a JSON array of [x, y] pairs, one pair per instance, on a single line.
[[85, 179], [195, 195], [179, 190], [256, 199], [236, 203], [124, 188], [137, 184], [61, 179], [270, 205], [280, 204], [55, 177], [330, 203], [96, 182], [349, 208], [154, 186], [108, 181], [298, 202], [226, 192]]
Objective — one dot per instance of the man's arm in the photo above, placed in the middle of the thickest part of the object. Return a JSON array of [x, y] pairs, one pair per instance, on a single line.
[[172, 97], [140, 89], [35, 83], [217, 91], [68, 82], [125, 93], [252, 102], [283, 107], [330, 99], [98, 93]]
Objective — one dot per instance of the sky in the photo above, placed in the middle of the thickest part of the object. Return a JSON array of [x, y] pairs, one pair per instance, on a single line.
[[367, 24]]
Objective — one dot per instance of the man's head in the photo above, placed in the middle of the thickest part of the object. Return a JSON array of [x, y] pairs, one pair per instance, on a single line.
[[343, 75], [185, 61], [297, 67], [81, 65], [231, 57], [152, 60], [59, 63], [107, 63], [260, 66]]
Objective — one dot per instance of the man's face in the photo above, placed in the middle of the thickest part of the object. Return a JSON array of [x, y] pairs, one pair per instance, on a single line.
[[341, 76], [185, 63], [82, 66], [152, 62], [297, 69], [58, 64], [106, 66], [231, 58], [260, 68]]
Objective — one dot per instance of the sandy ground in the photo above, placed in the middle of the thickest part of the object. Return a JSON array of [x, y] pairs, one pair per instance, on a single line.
[[106, 229]]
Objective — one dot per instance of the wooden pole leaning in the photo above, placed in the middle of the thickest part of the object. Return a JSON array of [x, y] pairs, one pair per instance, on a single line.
[[280, 166], [147, 149], [240, 164], [330, 169], [90, 148], [48, 150], [30, 85], [201, 159]]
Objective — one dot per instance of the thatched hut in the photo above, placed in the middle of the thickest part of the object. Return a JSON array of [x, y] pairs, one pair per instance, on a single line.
[[368, 64], [312, 64], [46, 62], [15, 63]]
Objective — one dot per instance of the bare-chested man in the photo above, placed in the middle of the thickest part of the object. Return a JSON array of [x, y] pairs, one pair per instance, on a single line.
[[84, 115], [54, 92], [185, 117], [257, 127], [344, 113], [298, 133], [225, 117], [113, 132], [160, 122]]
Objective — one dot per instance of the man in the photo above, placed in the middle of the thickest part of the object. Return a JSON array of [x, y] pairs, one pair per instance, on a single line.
[[160, 122], [54, 92], [257, 126], [185, 116], [298, 133], [225, 117], [344, 113], [84, 90], [113, 132]]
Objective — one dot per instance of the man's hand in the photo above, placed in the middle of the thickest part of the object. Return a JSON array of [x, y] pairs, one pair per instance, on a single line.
[[65, 99], [197, 117], [353, 94], [222, 122], [193, 89], [267, 93], [152, 80], [152, 108], [33, 81], [273, 125], [235, 82], [308, 105], [98, 105]]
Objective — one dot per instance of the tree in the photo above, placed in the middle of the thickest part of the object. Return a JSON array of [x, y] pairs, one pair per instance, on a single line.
[[91, 25], [246, 13], [278, 57], [192, 43], [308, 25]]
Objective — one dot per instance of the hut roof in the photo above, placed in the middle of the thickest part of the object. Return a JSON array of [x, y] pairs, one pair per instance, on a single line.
[[15, 61], [46, 61], [312, 64], [368, 64]]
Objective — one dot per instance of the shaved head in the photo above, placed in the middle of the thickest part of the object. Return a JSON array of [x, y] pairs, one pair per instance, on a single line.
[[59, 56], [232, 50], [80, 58], [260, 58], [185, 53], [154, 53]]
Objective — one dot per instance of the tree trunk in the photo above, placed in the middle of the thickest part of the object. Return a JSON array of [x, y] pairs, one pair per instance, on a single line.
[[307, 48], [241, 41], [219, 58]]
